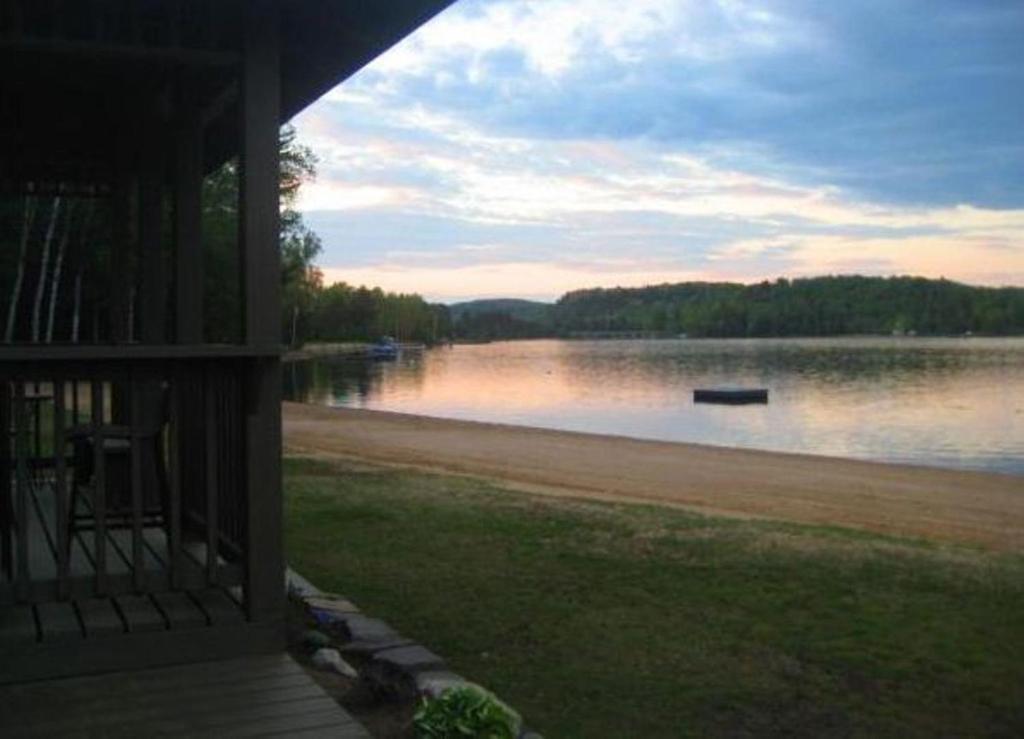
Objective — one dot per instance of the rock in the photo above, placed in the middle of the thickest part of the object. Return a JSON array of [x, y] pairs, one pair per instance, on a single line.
[[526, 734], [298, 586], [330, 603], [356, 627], [370, 648], [392, 672], [434, 682], [412, 659], [330, 660], [314, 640], [359, 634]]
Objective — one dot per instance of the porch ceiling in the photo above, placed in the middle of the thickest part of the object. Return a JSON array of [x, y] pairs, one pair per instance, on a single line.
[[78, 79]]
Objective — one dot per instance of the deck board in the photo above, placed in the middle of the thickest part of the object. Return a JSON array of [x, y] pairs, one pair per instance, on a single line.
[[180, 610], [99, 617], [218, 607], [58, 622], [140, 613], [253, 696], [191, 684], [17, 626]]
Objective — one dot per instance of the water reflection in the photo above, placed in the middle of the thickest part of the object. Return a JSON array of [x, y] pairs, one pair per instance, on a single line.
[[948, 402]]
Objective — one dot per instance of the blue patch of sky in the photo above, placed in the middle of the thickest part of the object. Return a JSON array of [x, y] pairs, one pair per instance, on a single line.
[[915, 102]]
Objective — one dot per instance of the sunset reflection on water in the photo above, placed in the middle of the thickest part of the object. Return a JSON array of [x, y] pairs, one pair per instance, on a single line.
[[945, 402]]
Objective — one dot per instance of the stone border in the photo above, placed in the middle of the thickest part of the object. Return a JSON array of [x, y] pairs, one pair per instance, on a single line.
[[394, 666]]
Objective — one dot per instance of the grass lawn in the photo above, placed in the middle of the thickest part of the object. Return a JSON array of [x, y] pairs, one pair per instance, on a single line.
[[606, 620]]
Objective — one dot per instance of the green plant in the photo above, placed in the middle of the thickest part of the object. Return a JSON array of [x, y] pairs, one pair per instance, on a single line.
[[468, 711]]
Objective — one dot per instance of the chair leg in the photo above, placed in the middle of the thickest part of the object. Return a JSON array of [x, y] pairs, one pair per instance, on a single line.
[[71, 528]]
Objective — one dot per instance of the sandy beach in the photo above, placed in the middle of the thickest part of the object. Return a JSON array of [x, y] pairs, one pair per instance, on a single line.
[[970, 507]]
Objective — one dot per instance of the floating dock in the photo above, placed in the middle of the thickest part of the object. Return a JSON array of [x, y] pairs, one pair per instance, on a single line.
[[731, 395]]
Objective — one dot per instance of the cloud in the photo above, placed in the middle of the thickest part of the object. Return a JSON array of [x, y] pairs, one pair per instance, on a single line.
[[731, 139], [915, 101]]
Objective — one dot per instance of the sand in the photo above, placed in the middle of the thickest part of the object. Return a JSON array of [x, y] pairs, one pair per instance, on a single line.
[[967, 507]]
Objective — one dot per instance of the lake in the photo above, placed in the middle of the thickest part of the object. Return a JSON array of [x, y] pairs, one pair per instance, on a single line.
[[944, 402]]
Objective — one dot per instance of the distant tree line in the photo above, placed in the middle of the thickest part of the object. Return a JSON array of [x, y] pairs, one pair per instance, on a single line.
[[820, 306], [498, 324], [342, 312]]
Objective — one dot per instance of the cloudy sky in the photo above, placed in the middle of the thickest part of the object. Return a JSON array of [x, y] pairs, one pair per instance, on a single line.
[[529, 147]]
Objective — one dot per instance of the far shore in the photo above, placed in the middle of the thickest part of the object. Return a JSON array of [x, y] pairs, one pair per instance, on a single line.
[[976, 508], [332, 349]]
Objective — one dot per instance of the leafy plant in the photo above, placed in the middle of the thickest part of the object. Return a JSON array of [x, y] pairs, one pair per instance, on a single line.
[[466, 712]]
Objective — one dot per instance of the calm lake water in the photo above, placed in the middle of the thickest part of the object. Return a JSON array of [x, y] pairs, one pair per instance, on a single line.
[[944, 402]]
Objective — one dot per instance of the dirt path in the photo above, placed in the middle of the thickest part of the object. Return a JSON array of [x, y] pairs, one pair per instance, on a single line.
[[973, 507]]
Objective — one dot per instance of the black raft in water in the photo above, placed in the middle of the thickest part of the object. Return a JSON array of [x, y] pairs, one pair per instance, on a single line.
[[731, 395]]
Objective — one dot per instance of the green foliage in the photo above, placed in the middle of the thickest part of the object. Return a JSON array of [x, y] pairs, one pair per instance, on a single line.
[[342, 312], [87, 260], [501, 318], [309, 311], [466, 712], [820, 306], [300, 246]]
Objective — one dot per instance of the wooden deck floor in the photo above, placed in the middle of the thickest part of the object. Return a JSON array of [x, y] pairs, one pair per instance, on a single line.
[[88, 617], [248, 697], [90, 634]]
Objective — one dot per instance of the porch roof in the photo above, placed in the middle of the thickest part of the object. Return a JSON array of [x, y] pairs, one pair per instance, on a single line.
[[80, 78]]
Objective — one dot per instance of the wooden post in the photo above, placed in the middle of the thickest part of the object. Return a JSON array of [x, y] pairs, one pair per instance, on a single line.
[[187, 461], [6, 508], [120, 329], [152, 294], [260, 280], [120, 259], [188, 251]]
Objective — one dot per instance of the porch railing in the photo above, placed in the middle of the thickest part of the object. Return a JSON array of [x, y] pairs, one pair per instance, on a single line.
[[124, 474]]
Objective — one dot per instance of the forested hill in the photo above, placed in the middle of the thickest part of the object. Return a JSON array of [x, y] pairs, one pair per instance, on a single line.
[[526, 310], [820, 306], [502, 318]]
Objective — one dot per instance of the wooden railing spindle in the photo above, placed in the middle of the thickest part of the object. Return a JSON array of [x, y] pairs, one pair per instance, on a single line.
[[212, 464], [61, 486], [6, 510], [175, 473], [99, 498], [21, 449], [135, 437]]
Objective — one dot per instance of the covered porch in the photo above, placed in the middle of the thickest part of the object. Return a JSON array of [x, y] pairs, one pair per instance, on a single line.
[[140, 480]]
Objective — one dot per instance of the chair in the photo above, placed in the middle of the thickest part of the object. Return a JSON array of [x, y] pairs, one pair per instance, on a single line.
[[118, 511]]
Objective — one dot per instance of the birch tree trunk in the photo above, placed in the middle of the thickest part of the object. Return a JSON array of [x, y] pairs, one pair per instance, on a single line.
[[26, 230], [76, 316], [43, 269], [58, 264]]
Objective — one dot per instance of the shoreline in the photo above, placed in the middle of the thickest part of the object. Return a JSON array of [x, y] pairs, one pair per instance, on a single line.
[[326, 350], [977, 508]]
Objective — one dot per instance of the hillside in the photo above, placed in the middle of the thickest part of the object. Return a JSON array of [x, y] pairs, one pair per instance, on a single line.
[[818, 306], [501, 318], [526, 310]]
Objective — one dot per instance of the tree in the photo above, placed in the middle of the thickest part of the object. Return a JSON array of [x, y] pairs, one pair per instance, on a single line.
[[44, 266], [299, 245], [26, 232]]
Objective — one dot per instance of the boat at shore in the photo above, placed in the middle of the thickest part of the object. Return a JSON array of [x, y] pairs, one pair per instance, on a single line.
[[385, 349]]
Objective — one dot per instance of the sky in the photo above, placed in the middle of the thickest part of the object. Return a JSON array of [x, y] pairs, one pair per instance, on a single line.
[[525, 148]]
